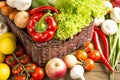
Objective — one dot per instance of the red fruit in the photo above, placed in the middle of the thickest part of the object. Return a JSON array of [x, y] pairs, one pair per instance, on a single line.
[[38, 73], [94, 55], [90, 64]]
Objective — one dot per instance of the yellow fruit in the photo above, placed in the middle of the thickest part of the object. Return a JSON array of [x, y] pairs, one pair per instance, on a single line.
[[2, 57], [8, 34], [4, 71], [7, 45]]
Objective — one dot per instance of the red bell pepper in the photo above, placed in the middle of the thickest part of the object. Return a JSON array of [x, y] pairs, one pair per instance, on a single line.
[[98, 47], [104, 40], [41, 26]]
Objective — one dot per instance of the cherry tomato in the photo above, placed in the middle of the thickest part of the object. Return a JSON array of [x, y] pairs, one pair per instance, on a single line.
[[38, 73], [89, 47], [30, 67], [19, 51], [24, 59], [20, 77], [90, 64], [81, 55], [95, 55], [10, 60], [17, 69]]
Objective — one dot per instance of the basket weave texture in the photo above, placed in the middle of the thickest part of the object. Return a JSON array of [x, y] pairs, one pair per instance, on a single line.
[[42, 52]]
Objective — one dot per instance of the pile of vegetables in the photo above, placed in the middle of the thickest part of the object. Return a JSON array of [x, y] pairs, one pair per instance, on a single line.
[[82, 60], [62, 20], [108, 30], [73, 15]]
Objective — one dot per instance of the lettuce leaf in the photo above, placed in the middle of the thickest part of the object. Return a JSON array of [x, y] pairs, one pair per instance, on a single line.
[[75, 15]]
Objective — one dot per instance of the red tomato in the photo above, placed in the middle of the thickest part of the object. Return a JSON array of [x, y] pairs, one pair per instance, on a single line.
[[25, 59], [89, 47], [90, 64], [30, 67], [17, 69], [38, 73], [20, 77], [95, 55], [10, 60], [81, 55], [19, 51]]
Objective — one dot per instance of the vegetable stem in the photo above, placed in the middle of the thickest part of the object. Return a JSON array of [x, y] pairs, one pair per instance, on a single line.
[[114, 42], [28, 75], [116, 36]]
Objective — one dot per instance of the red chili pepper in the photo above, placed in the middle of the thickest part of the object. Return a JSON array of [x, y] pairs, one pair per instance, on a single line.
[[42, 27], [98, 47], [104, 40], [42, 9]]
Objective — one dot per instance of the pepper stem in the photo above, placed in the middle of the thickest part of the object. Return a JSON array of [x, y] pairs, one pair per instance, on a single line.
[[41, 25]]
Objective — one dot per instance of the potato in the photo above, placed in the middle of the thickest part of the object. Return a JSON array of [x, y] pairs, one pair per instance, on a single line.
[[21, 19]]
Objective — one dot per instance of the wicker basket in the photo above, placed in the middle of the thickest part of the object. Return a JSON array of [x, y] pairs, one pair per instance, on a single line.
[[42, 52]]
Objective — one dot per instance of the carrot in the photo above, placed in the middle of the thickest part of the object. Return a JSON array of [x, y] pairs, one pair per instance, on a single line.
[[7, 10], [12, 15], [2, 4]]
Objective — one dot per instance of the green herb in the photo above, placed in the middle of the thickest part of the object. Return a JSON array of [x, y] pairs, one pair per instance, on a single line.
[[75, 15]]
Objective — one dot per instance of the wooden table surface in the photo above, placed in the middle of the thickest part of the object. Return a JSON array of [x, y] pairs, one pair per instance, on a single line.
[[99, 73]]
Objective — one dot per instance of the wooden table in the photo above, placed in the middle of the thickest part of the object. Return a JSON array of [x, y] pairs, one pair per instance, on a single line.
[[99, 73]]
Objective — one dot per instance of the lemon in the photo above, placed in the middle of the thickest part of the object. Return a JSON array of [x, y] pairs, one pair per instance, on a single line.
[[2, 57], [8, 34], [4, 71], [7, 45]]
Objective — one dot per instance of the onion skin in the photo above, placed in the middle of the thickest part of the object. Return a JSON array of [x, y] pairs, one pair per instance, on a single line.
[[70, 60], [21, 19]]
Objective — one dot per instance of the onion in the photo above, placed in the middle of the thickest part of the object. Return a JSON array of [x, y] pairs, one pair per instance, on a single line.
[[71, 60]]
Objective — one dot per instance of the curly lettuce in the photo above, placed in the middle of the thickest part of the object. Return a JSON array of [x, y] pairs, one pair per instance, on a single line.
[[75, 15]]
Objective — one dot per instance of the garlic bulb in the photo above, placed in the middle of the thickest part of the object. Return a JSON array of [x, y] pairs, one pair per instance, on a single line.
[[115, 14], [98, 21], [77, 72], [23, 4], [109, 27], [11, 3]]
